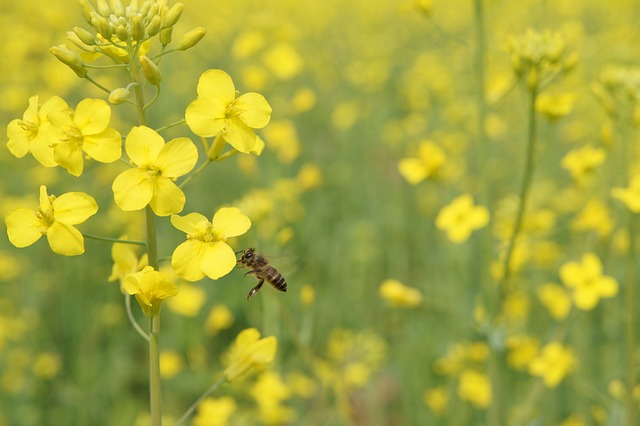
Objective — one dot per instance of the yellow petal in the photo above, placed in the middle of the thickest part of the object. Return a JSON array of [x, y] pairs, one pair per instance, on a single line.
[[240, 136], [65, 239], [73, 208], [143, 145], [216, 84], [186, 260], [218, 259], [167, 198], [206, 116], [413, 170], [256, 110], [92, 116], [23, 227], [132, 190], [192, 224], [105, 147], [19, 140], [231, 222], [69, 155], [177, 157]]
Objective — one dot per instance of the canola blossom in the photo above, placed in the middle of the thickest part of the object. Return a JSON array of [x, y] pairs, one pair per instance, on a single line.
[[54, 218], [156, 165], [85, 131], [206, 252], [218, 108], [588, 283], [150, 288], [461, 217], [247, 352]]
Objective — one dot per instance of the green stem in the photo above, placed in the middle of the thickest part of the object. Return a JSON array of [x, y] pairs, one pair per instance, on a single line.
[[195, 173], [630, 322], [132, 320], [155, 393], [152, 240], [202, 397], [95, 83], [170, 125], [114, 240], [155, 97], [137, 88]]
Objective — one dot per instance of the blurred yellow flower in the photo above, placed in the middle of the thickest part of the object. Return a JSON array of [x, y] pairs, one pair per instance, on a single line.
[[282, 137], [219, 318], [307, 294], [249, 351], [188, 301], [587, 282], [269, 392], [206, 251], [573, 420], [283, 61], [521, 350], [31, 134], [156, 166], [427, 164], [461, 217], [397, 294], [581, 162], [171, 364], [125, 261], [595, 215], [629, 196], [46, 365], [555, 106], [475, 387], [219, 109], [556, 299], [150, 288], [437, 399], [85, 131], [553, 363], [54, 218], [215, 412]]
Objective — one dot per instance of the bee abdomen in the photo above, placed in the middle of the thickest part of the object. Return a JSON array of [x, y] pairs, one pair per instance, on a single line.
[[276, 279]]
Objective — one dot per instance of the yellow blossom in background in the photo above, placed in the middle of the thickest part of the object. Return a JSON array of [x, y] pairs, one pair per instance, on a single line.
[[397, 294], [282, 137], [85, 131], [555, 106], [581, 162], [556, 299], [150, 288], [516, 308], [573, 420], [215, 412], [206, 251], [218, 108], [31, 134], [171, 363], [54, 218], [303, 100], [427, 164], [156, 165], [188, 301], [125, 261], [475, 387], [269, 392], [309, 176], [283, 61], [307, 295], [629, 196], [553, 363], [437, 399], [461, 217], [595, 216], [301, 384], [587, 282], [247, 352], [219, 318], [521, 350], [46, 365]]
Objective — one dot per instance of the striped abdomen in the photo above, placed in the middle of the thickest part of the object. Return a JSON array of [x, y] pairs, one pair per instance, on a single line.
[[275, 278]]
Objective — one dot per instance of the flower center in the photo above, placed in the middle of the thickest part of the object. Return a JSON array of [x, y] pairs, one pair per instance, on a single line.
[[211, 235], [72, 135], [30, 127], [233, 110]]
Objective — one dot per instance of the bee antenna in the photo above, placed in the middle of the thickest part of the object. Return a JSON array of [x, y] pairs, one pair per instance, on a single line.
[[239, 251]]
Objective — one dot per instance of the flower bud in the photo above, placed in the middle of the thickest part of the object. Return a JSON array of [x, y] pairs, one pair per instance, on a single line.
[[103, 8], [121, 33], [173, 15], [85, 36], [153, 11], [137, 28], [133, 5], [104, 28], [117, 7], [144, 9], [70, 59], [150, 70], [118, 96], [154, 26], [165, 36], [86, 9], [191, 38]]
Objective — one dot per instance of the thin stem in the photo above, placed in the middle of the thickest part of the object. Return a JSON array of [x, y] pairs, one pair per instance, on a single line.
[[104, 67], [155, 97], [202, 397], [114, 240], [630, 322], [95, 83], [195, 173], [155, 392], [152, 241], [170, 125], [137, 89], [132, 319]]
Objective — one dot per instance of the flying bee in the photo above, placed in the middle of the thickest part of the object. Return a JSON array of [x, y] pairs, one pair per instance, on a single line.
[[262, 270]]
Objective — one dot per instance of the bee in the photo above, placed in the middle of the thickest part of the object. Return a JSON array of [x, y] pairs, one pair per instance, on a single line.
[[262, 270]]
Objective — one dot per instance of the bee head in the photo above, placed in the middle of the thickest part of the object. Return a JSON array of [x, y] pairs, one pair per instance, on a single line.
[[246, 254]]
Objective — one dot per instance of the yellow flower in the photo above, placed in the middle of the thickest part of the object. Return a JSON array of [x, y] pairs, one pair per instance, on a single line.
[[269, 392], [581, 162], [475, 387], [428, 163], [157, 165], [595, 215], [587, 281], [553, 364], [219, 109], [215, 412], [629, 196], [460, 218], [170, 364], [54, 218], [85, 131], [47, 365], [150, 288], [521, 350], [556, 299], [189, 300], [206, 251], [125, 261], [220, 318], [31, 133], [437, 399], [247, 352], [555, 106], [397, 294]]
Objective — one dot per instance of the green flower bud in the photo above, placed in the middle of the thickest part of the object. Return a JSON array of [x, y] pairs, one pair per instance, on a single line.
[[133, 5], [137, 28], [87, 10], [191, 38], [70, 59], [150, 71], [104, 28], [85, 36], [153, 12], [144, 9], [103, 8], [118, 96], [154, 26], [117, 7], [165, 36], [121, 33], [173, 15]]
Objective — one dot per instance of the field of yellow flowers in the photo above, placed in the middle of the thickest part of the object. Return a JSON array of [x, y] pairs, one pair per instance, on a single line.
[[450, 190]]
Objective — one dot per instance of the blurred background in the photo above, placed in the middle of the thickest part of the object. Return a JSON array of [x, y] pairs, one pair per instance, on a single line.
[[355, 87]]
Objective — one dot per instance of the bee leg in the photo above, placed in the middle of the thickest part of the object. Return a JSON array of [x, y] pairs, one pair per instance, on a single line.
[[255, 289], [253, 271]]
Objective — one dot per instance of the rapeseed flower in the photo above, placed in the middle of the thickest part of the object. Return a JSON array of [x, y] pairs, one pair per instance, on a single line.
[[150, 288], [461, 217], [581, 162], [553, 364], [521, 350], [125, 261], [84, 131], [219, 318], [556, 299], [587, 282], [157, 165], [215, 412], [475, 387], [427, 164], [437, 399], [397, 294], [206, 251], [31, 134], [218, 108], [247, 352], [54, 218], [629, 196]]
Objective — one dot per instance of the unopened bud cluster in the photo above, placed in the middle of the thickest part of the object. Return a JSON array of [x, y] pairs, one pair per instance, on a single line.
[[618, 89], [537, 57]]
